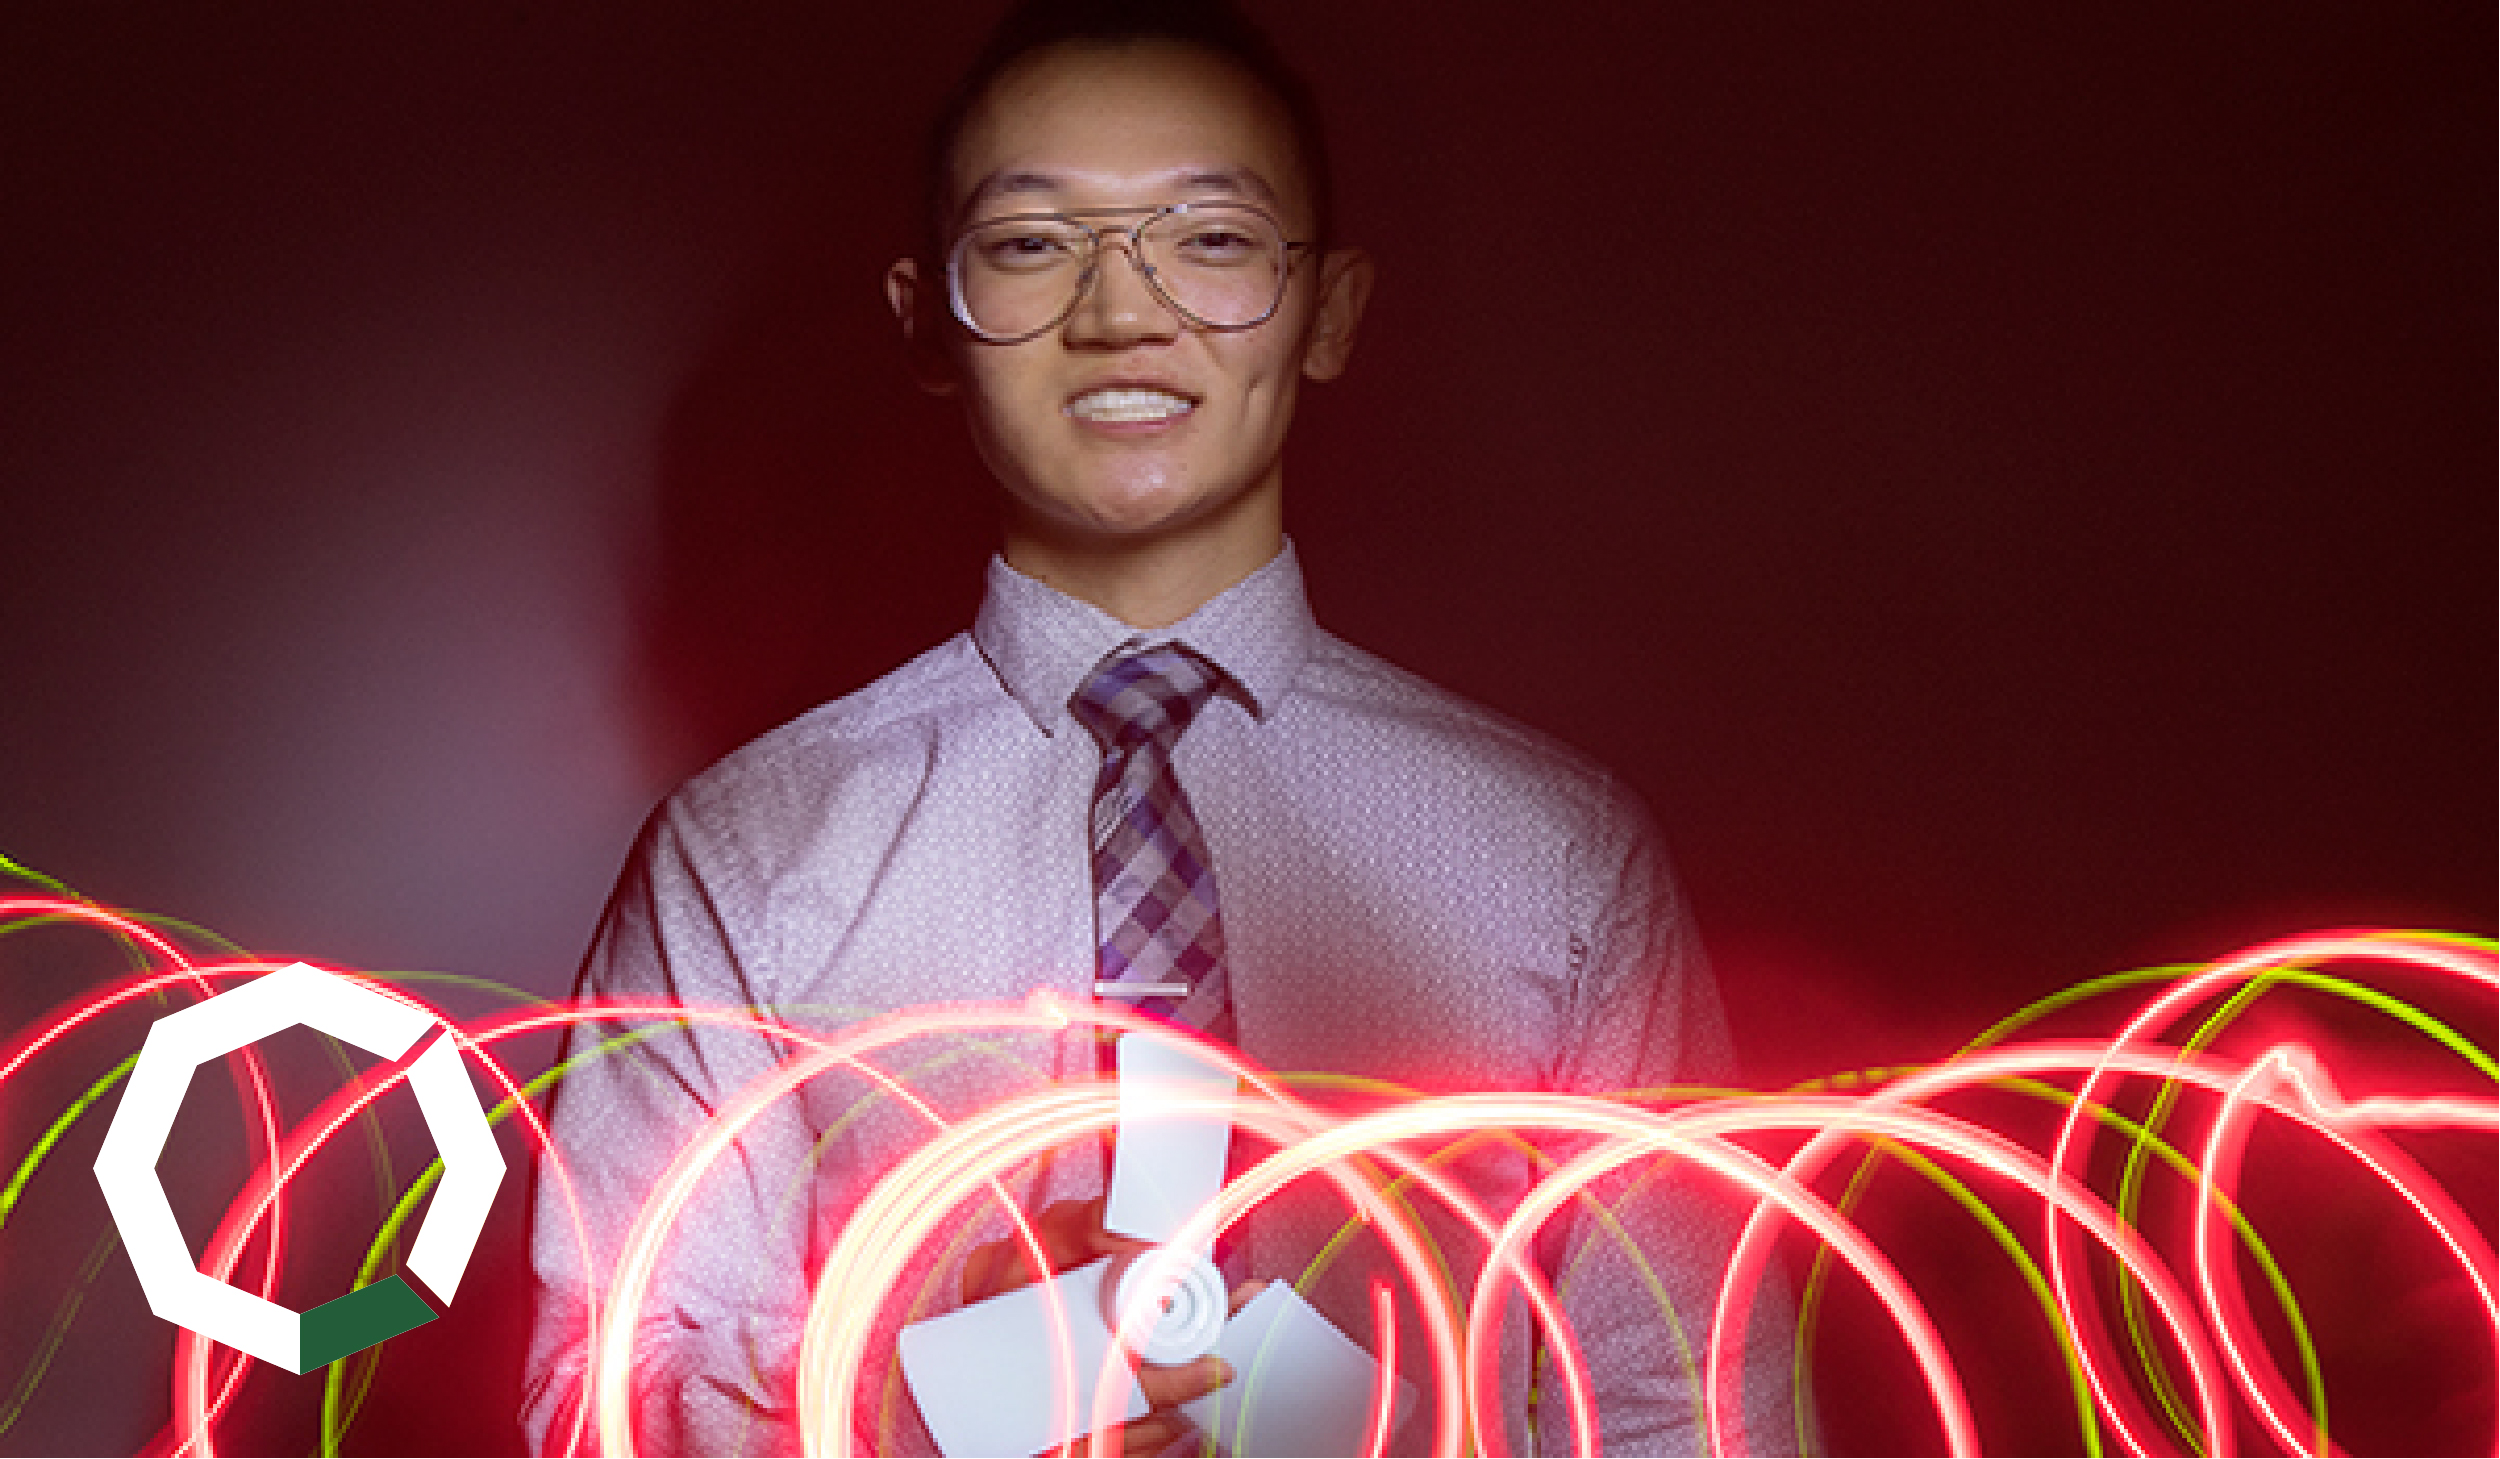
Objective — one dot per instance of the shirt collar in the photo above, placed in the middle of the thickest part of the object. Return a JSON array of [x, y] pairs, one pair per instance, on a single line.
[[1043, 643]]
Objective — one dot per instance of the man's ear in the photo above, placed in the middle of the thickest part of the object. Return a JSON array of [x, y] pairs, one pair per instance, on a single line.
[[1345, 286], [923, 328]]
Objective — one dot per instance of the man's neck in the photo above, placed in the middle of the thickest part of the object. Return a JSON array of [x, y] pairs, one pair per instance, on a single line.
[[1151, 582]]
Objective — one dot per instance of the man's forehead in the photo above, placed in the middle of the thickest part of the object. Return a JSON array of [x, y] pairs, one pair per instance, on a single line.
[[1080, 122], [1060, 187]]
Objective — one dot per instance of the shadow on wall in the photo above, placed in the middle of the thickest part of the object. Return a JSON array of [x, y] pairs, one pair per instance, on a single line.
[[821, 520]]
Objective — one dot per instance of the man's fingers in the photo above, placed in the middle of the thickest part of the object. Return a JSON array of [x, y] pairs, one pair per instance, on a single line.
[[1102, 1243], [1070, 1234], [1244, 1294], [977, 1273], [1069, 1224], [1181, 1382], [1149, 1435]]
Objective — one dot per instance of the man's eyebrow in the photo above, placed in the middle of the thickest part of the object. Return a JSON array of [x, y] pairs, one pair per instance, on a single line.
[[1008, 184], [1239, 181]]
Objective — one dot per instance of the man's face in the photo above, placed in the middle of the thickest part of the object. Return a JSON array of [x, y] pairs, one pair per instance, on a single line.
[[1125, 421]]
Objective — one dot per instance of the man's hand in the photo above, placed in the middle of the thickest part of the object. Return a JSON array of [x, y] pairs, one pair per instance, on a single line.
[[1071, 1235]]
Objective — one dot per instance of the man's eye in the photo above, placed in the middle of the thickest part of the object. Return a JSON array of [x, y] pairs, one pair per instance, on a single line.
[[1220, 246], [1024, 250]]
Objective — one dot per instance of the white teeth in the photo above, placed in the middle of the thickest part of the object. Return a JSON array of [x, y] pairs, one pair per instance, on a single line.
[[1125, 405]]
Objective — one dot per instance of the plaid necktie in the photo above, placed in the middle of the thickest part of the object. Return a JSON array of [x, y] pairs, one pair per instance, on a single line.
[[1162, 940]]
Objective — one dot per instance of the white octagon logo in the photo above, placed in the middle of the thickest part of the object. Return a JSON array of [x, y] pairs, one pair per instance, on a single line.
[[180, 1042]]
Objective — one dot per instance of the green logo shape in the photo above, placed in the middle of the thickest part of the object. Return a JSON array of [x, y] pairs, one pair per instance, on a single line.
[[380, 1023], [360, 1319]]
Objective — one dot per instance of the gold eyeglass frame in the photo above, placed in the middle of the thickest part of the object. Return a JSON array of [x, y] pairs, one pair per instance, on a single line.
[[1294, 251]]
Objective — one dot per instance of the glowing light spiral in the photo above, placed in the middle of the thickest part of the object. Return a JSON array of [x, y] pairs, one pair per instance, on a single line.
[[1777, 1155]]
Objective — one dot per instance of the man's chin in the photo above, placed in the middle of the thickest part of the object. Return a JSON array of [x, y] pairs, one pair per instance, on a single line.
[[1109, 521]]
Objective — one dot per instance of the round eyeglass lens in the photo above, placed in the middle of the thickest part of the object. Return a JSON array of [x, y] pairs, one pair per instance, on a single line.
[[1221, 267], [1015, 276]]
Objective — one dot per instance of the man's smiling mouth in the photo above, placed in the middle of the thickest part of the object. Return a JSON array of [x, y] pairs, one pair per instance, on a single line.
[[1122, 403]]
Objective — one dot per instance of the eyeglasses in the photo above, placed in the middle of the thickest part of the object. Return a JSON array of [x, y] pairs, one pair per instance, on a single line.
[[1216, 265]]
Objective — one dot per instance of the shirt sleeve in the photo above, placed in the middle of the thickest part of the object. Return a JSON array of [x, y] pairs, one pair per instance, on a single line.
[[713, 1342], [1640, 1288]]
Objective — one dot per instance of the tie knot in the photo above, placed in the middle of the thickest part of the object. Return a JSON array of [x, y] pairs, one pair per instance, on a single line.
[[1148, 694]]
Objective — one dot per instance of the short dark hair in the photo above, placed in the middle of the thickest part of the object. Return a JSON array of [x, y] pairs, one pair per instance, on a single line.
[[1214, 26]]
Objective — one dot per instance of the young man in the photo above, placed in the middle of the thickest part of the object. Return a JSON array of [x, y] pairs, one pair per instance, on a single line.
[[1144, 773]]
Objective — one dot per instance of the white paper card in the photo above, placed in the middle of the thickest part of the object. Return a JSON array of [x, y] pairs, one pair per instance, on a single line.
[[1165, 1166], [1302, 1387], [986, 1378]]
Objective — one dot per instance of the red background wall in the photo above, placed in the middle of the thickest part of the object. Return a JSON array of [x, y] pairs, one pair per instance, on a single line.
[[2013, 486]]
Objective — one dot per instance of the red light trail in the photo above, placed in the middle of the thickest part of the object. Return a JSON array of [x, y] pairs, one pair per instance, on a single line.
[[1772, 1154]]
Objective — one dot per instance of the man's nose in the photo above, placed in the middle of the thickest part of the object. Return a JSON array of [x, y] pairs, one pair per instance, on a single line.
[[1119, 308]]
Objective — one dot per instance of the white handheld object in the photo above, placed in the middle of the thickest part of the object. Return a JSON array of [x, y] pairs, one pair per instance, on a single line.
[[1301, 1386], [1169, 1162], [988, 1377], [983, 1374]]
